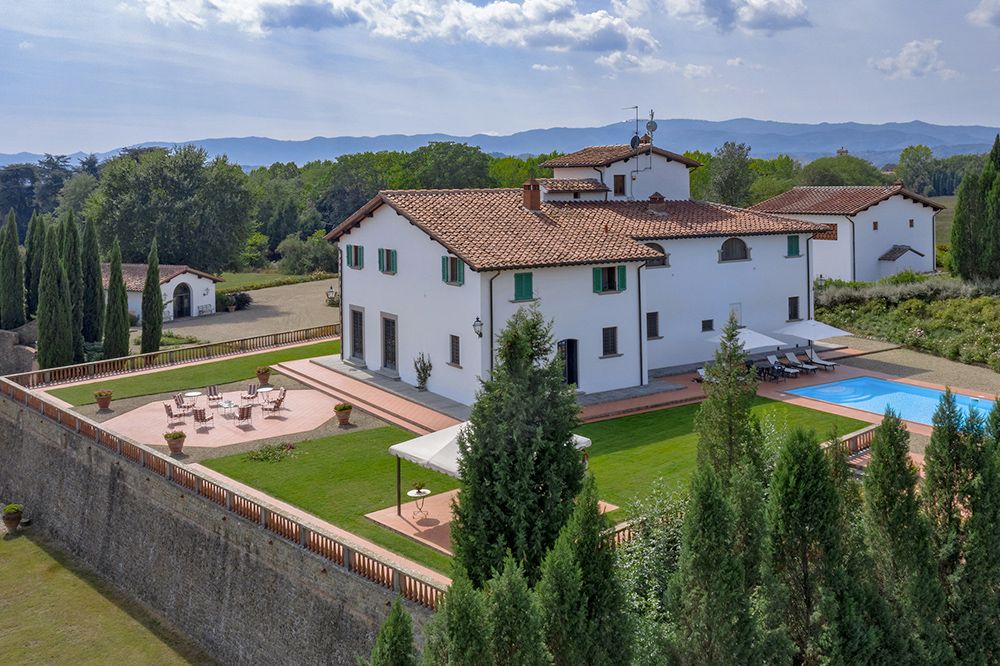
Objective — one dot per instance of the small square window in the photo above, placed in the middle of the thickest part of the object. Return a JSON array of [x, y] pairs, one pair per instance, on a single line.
[[911, 223], [793, 246], [609, 338], [576, 195], [652, 325], [707, 325], [619, 185], [455, 349], [793, 308], [875, 225]]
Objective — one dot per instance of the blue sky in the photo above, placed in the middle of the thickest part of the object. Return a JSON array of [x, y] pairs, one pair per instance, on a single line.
[[96, 75]]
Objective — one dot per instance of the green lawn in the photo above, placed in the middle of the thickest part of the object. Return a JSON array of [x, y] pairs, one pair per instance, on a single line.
[[630, 453], [250, 281], [943, 220], [342, 478], [52, 613], [230, 370]]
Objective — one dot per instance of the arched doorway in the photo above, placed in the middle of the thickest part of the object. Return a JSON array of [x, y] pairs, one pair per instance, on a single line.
[[182, 301]]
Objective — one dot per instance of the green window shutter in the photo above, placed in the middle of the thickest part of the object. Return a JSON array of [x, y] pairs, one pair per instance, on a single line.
[[621, 277], [392, 257], [381, 260], [361, 256], [522, 287], [349, 250], [461, 272], [793, 246], [597, 281], [444, 269]]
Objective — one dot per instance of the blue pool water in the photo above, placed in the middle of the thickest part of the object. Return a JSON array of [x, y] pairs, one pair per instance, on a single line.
[[912, 403]]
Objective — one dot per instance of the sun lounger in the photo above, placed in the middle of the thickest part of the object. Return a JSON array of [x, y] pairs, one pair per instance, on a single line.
[[814, 357], [776, 364], [795, 362]]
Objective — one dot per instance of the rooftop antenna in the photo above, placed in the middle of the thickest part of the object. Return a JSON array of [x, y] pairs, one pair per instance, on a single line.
[[634, 142], [651, 126]]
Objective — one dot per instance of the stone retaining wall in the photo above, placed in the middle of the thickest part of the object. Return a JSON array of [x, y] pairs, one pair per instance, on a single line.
[[246, 596]]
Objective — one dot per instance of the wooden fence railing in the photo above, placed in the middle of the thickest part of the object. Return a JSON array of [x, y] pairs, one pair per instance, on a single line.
[[162, 359], [349, 556], [858, 441]]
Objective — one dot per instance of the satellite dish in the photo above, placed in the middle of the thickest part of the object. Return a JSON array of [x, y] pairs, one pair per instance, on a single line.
[[634, 142], [651, 126]]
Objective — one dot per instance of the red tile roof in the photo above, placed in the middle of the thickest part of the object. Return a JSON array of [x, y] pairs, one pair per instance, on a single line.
[[837, 199], [135, 274], [897, 251], [572, 184], [491, 229], [605, 155]]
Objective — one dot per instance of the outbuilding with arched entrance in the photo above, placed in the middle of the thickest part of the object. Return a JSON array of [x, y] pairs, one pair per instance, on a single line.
[[186, 292]]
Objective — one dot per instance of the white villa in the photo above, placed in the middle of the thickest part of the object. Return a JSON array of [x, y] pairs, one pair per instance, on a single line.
[[635, 276], [186, 292], [874, 231]]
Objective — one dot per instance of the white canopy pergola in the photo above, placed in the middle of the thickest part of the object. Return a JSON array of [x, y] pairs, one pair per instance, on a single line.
[[752, 339], [810, 329], [439, 451]]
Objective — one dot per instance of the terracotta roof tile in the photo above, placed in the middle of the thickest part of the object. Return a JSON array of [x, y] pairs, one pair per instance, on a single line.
[[135, 274], [491, 229], [605, 155], [572, 184], [837, 200], [897, 251]]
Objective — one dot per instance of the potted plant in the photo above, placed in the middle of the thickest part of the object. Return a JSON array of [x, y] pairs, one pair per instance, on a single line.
[[230, 303], [103, 397], [343, 412], [264, 374], [12, 517], [418, 485], [175, 440], [422, 364]]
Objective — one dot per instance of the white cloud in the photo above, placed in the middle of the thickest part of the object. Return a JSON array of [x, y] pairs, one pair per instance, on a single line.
[[25, 45], [986, 13], [917, 59], [630, 62], [766, 16], [740, 62], [697, 71], [545, 68]]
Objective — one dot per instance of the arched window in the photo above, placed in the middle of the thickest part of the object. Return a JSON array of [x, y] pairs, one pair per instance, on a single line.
[[734, 250], [659, 261]]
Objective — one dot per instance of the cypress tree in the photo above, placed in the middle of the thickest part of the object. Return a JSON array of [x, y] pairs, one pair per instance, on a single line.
[[152, 304], [898, 537], [33, 262], [713, 614], [458, 634], [70, 246], [394, 642], [562, 605], [11, 277], [516, 637], [520, 470], [55, 335], [116, 329], [968, 219], [93, 287], [945, 476]]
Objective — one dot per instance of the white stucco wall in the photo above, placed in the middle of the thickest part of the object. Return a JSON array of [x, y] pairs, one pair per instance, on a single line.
[[831, 258], [427, 310], [566, 295], [568, 196], [655, 174], [893, 216], [199, 298], [696, 286]]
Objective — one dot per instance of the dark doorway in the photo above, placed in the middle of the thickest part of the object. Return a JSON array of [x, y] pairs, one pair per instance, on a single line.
[[182, 301], [567, 350], [389, 343]]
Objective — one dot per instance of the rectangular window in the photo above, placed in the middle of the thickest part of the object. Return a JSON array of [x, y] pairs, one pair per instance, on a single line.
[[387, 261], [609, 337], [355, 256], [793, 308], [793, 246], [875, 225], [911, 223], [523, 288], [619, 185], [652, 325], [707, 325], [609, 279], [455, 350], [452, 270], [357, 334]]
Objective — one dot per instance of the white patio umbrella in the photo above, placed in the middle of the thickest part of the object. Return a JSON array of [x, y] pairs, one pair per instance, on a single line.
[[810, 329], [752, 339]]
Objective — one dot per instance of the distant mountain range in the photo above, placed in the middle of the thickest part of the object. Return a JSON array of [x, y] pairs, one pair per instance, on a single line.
[[879, 143]]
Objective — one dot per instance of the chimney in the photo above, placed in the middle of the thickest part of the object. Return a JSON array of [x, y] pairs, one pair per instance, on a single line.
[[645, 139], [657, 204], [532, 195]]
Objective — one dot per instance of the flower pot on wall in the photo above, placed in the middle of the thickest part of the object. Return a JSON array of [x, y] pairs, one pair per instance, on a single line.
[[103, 401], [11, 521], [175, 444]]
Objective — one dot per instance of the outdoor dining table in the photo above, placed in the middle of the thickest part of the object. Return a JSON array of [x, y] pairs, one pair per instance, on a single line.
[[227, 407], [265, 390], [193, 394]]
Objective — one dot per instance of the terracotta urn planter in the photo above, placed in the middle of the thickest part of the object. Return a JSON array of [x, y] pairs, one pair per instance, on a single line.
[[103, 401], [263, 377], [231, 308], [343, 414], [175, 444], [11, 519]]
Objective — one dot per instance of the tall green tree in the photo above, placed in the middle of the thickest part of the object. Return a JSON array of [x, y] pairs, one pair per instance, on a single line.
[[516, 636], [93, 285], [519, 467], [11, 277], [915, 167], [70, 246], [562, 606], [394, 642], [841, 170], [968, 218], [731, 175], [34, 252], [116, 322], [459, 632], [898, 536], [55, 332], [713, 616], [152, 304]]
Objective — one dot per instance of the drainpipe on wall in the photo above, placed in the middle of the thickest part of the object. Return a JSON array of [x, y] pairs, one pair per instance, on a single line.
[[340, 279], [491, 322], [809, 282], [601, 174], [638, 281], [854, 258]]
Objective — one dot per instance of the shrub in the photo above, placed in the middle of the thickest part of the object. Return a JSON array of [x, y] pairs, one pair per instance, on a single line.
[[342, 406], [13, 508], [422, 364], [174, 434], [102, 393], [272, 453], [299, 257], [133, 319], [272, 281], [241, 299], [936, 288]]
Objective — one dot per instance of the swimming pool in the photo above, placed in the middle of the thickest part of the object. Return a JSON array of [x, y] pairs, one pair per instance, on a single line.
[[869, 394]]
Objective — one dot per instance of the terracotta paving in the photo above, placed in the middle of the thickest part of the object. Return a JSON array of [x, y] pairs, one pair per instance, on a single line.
[[433, 526], [312, 521], [302, 411], [692, 392], [381, 403]]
